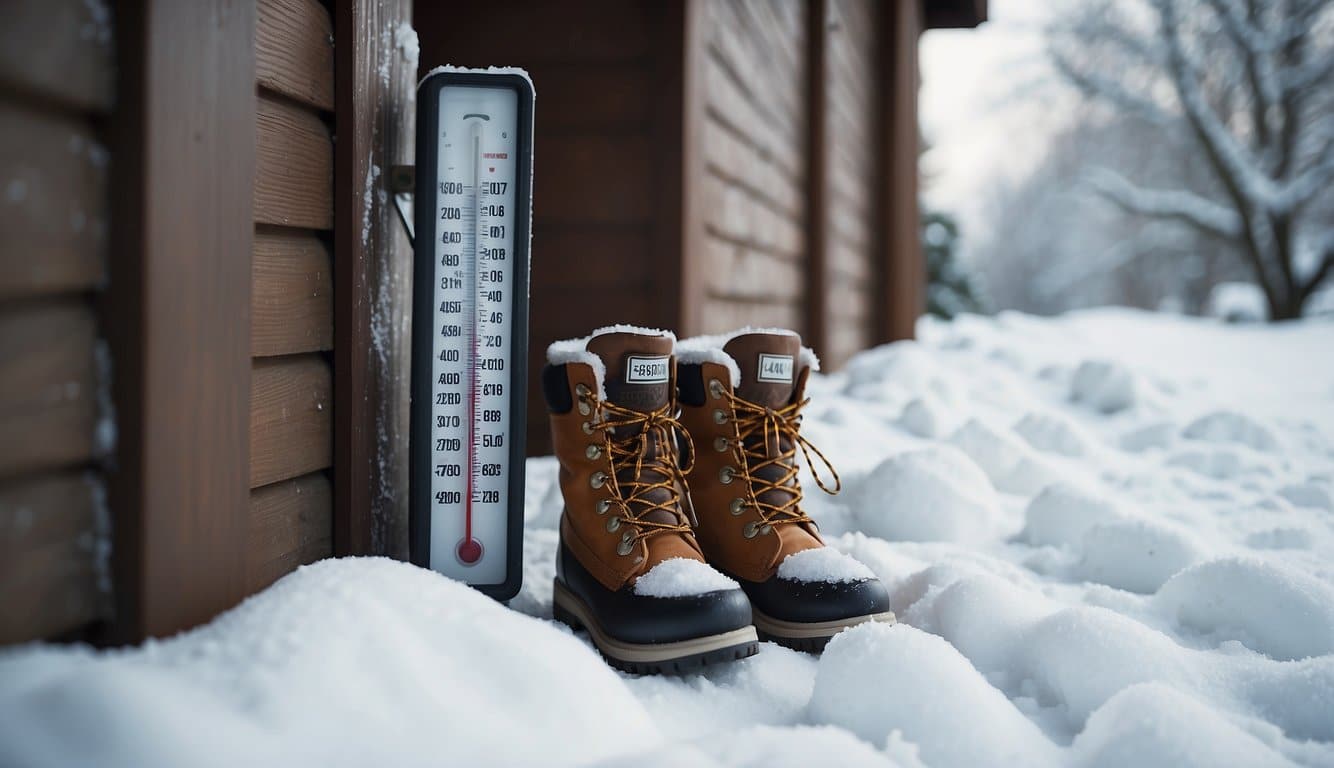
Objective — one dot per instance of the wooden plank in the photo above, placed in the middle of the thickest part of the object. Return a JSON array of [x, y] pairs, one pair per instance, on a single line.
[[54, 545], [606, 32], [816, 331], [291, 295], [901, 297], [53, 219], [376, 119], [60, 51], [291, 425], [291, 524], [567, 189], [294, 166], [48, 386], [294, 51], [624, 99], [178, 314]]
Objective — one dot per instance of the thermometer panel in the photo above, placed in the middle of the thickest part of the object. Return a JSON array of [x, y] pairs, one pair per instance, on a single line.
[[470, 327]]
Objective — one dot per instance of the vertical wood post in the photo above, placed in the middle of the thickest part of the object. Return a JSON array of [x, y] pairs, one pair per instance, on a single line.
[[178, 310], [375, 117], [691, 260], [903, 272], [816, 333]]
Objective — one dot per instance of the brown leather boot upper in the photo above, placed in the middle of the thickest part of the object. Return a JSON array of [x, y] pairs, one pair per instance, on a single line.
[[619, 468], [744, 484]]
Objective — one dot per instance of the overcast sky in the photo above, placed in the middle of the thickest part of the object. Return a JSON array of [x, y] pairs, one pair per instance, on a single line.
[[988, 104]]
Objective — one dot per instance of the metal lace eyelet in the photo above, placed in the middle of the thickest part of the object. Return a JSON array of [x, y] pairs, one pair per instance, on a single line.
[[627, 544], [598, 479], [585, 408], [603, 506], [593, 451], [719, 417], [726, 474], [581, 390], [613, 523], [766, 529], [715, 388], [721, 445], [738, 506], [750, 529], [587, 427]]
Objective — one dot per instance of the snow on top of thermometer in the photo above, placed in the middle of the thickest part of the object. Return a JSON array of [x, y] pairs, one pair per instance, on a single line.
[[520, 71]]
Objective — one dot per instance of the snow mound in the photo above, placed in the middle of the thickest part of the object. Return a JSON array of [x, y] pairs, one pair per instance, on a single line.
[[875, 679], [355, 661], [1231, 427], [1050, 432], [766, 746], [681, 577], [1136, 555], [935, 494], [1160, 435], [1062, 513], [1011, 465], [1310, 495], [924, 417], [1279, 612], [1105, 386], [1151, 725], [822, 564]]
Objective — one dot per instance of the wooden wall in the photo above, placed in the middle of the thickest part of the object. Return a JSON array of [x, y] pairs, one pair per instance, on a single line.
[[56, 88], [607, 172], [291, 407], [752, 139], [851, 150]]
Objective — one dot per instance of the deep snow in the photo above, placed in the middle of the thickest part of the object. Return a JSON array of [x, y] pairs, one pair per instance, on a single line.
[[1108, 538]]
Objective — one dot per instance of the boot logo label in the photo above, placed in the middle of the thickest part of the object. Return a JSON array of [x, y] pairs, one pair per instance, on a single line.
[[775, 368], [641, 369]]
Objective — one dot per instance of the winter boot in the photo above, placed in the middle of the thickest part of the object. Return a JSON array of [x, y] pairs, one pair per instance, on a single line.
[[741, 398], [628, 568]]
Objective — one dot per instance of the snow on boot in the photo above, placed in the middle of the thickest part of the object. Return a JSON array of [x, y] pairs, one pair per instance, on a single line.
[[741, 397], [628, 567]]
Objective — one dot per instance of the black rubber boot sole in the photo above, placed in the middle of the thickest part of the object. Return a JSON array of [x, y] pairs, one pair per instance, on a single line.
[[809, 637], [653, 658]]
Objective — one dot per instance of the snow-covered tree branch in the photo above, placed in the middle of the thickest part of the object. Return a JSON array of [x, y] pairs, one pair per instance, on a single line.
[[1247, 80]]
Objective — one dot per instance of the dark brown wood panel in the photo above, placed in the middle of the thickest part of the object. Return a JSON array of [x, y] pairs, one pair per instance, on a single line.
[[604, 196], [59, 51], [291, 524], [294, 166], [294, 50], [178, 313], [54, 217], [291, 425], [291, 295], [376, 119], [48, 386], [54, 548]]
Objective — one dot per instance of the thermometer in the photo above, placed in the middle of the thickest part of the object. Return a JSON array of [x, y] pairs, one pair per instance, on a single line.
[[470, 326]]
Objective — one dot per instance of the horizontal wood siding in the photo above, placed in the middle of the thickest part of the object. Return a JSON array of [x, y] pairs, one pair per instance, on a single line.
[[607, 183], [851, 147], [56, 90], [753, 142], [291, 398]]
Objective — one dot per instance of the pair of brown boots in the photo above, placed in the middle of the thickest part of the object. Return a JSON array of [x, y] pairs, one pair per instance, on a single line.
[[683, 541]]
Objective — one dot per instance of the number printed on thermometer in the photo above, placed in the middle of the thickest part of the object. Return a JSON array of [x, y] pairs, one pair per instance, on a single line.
[[475, 207]]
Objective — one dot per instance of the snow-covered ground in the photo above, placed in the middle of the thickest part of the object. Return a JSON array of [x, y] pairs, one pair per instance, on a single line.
[[1109, 539]]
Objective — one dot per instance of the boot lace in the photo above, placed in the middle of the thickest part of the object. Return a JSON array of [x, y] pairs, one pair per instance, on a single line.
[[774, 426], [662, 472]]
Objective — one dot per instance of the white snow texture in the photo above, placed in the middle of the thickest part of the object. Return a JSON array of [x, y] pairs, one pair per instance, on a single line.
[[1107, 537], [822, 564], [680, 577]]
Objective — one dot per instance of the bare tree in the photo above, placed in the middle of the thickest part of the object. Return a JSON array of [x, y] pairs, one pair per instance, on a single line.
[[1250, 80]]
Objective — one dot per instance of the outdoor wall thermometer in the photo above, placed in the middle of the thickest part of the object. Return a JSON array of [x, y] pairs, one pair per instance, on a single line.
[[470, 325]]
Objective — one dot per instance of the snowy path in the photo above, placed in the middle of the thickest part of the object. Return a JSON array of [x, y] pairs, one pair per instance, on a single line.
[[1109, 539]]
